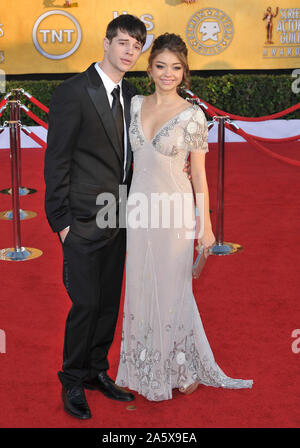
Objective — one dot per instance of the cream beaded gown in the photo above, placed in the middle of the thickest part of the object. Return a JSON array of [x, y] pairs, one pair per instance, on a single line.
[[164, 345]]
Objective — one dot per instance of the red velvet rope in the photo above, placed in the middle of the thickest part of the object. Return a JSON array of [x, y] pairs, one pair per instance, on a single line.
[[260, 147], [214, 109], [264, 118], [253, 139], [37, 102], [35, 118], [35, 137], [2, 102], [210, 111]]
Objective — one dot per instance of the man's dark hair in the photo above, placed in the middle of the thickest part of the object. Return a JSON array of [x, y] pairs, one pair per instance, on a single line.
[[127, 24]]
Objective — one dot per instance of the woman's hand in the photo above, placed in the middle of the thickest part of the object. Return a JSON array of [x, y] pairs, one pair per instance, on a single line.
[[207, 241], [187, 169]]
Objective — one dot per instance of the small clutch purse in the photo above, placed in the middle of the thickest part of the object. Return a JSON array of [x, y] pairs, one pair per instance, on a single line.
[[199, 262]]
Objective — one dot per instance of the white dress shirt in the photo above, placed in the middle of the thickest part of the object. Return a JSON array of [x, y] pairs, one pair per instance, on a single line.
[[109, 87]]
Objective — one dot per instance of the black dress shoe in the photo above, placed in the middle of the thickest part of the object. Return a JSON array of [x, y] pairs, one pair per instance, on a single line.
[[106, 385], [75, 402]]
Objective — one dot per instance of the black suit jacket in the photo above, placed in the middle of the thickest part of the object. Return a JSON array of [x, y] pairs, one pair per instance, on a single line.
[[83, 156]]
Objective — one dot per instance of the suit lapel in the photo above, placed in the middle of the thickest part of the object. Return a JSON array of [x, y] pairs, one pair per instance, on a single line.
[[97, 93]]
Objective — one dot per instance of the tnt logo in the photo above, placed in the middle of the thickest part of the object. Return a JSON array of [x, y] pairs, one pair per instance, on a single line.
[[2, 341], [56, 34]]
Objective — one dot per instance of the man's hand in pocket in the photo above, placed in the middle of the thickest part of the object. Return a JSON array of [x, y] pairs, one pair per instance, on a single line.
[[63, 233]]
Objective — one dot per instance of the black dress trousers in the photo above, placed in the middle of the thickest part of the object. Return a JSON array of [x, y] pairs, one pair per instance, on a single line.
[[93, 279]]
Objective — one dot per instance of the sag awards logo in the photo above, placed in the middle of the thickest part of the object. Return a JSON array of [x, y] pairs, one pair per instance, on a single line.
[[283, 36], [209, 31], [56, 34]]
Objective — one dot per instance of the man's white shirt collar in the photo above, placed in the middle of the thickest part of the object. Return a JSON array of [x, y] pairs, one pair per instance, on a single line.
[[109, 84]]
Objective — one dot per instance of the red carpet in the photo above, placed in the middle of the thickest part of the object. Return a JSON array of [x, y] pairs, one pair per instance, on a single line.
[[249, 304]]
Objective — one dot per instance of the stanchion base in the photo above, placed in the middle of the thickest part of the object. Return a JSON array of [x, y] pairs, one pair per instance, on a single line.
[[225, 248], [22, 254], [24, 214], [23, 191]]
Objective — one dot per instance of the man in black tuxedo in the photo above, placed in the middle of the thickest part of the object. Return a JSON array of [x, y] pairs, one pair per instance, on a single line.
[[88, 153]]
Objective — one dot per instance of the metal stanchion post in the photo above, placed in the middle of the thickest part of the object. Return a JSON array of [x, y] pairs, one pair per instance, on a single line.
[[17, 253], [220, 187], [15, 116], [13, 131], [221, 247], [16, 110], [24, 214]]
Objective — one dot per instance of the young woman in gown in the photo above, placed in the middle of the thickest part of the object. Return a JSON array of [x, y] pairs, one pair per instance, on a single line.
[[164, 345]]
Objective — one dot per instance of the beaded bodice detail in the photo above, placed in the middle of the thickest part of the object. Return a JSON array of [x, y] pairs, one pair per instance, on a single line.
[[185, 131]]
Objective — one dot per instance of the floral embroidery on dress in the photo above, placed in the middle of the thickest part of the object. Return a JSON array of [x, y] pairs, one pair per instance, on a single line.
[[186, 131], [164, 132], [136, 139], [182, 365], [195, 131]]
